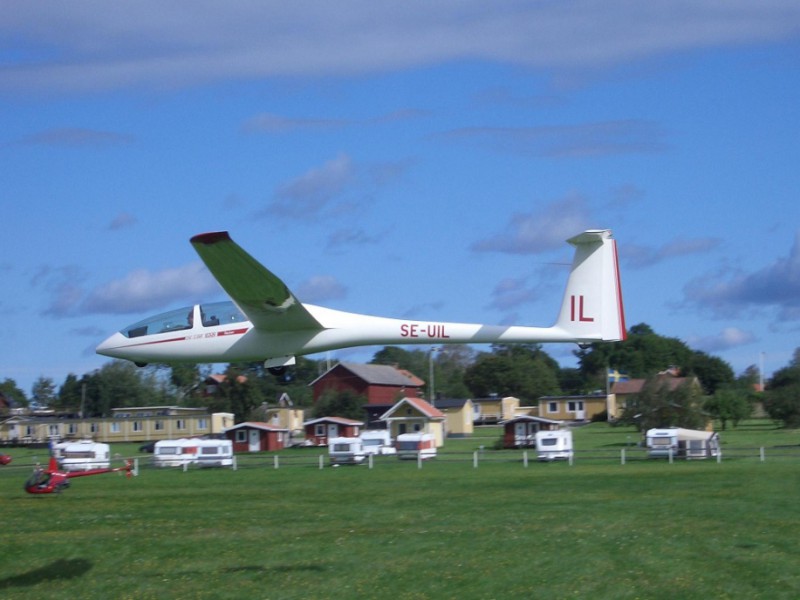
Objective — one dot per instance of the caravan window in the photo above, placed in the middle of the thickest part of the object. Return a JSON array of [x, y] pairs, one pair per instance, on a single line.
[[660, 441], [549, 441], [341, 447]]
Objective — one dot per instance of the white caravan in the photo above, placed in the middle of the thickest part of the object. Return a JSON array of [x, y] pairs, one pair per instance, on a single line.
[[554, 445], [684, 443], [176, 453], [82, 455], [215, 453], [377, 441], [346, 451], [413, 445]]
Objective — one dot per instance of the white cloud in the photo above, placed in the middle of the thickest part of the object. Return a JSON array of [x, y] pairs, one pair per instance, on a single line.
[[645, 256], [776, 286], [605, 138], [122, 221], [85, 46], [142, 290], [310, 194], [728, 338], [540, 231]]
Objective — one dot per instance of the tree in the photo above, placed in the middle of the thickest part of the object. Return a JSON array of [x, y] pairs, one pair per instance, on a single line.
[[712, 371], [523, 371], [782, 397], [346, 404], [70, 394], [118, 384], [9, 389], [645, 353], [657, 405], [728, 405], [43, 392], [237, 394]]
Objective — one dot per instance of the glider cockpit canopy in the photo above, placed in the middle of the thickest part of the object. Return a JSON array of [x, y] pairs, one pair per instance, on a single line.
[[211, 315]]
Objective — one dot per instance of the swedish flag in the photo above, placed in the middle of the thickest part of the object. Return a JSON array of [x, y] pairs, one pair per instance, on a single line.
[[614, 376]]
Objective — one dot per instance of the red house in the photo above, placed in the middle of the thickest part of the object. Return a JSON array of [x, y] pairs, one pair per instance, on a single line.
[[379, 384], [252, 436], [319, 430]]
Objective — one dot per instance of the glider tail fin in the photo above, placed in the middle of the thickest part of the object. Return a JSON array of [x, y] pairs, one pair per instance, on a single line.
[[592, 308]]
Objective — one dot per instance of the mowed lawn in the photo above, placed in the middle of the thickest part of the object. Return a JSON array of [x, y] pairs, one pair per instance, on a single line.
[[597, 529]]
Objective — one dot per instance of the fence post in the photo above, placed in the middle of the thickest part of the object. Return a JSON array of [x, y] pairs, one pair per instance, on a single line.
[[321, 460], [235, 463], [761, 454], [571, 458], [622, 456], [369, 459], [419, 459], [275, 461], [135, 467], [670, 455], [525, 458]]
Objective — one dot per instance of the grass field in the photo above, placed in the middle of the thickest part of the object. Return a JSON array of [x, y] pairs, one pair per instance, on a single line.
[[596, 529]]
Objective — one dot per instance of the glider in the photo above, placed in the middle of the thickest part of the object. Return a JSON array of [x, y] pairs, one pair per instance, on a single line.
[[51, 480], [266, 322]]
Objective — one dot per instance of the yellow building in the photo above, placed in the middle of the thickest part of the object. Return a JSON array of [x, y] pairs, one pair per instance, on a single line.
[[458, 417], [573, 408], [140, 424]]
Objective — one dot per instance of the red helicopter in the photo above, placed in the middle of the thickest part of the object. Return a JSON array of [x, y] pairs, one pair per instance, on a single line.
[[52, 480]]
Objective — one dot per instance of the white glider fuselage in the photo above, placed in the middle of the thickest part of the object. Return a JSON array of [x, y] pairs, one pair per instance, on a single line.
[[242, 342], [268, 324]]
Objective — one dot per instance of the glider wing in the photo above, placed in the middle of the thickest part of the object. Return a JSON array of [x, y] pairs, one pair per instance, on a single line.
[[262, 296]]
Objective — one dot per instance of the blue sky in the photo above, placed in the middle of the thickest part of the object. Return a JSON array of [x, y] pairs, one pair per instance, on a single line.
[[415, 159]]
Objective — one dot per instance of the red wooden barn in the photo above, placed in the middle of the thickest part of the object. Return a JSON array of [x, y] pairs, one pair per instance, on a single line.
[[252, 436], [379, 384]]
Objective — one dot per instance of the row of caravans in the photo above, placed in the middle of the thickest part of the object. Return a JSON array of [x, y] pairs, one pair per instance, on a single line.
[[193, 451], [550, 445], [354, 450]]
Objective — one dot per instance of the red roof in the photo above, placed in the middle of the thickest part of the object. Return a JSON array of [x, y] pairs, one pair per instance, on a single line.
[[256, 425], [421, 405]]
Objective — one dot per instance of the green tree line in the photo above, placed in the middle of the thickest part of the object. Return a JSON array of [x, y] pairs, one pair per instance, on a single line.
[[526, 371]]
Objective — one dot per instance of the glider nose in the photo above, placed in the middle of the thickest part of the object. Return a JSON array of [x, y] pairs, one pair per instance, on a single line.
[[111, 346]]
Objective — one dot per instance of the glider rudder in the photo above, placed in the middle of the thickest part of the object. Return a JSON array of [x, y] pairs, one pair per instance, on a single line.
[[592, 308]]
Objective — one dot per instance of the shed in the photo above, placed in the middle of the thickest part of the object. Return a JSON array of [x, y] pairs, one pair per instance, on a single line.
[[458, 414], [414, 415], [520, 432], [254, 436], [495, 409], [318, 431]]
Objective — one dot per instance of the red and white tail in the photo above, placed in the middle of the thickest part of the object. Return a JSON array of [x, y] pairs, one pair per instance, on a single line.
[[592, 308]]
